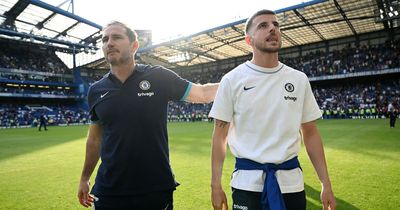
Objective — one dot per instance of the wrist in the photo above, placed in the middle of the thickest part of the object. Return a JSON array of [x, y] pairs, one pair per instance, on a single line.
[[326, 185], [215, 186], [85, 179]]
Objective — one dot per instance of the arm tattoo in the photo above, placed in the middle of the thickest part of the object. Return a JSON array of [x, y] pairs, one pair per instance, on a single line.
[[221, 124]]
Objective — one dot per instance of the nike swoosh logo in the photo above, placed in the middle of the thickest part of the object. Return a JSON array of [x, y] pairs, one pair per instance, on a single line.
[[102, 95], [248, 88]]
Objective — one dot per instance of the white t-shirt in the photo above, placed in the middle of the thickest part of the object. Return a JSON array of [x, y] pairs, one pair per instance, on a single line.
[[391, 107], [265, 107]]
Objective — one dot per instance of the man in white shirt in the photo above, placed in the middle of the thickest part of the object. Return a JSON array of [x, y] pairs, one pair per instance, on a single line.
[[260, 107]]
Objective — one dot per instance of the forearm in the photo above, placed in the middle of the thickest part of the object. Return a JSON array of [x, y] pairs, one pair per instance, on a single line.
[[91, 158], [202, 93], [93, 146], [218, 152], [210, 90], [217, 162], [316, 154], [315, 150]]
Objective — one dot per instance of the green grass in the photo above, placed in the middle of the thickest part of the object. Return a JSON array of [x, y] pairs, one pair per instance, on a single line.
[[40, 170]]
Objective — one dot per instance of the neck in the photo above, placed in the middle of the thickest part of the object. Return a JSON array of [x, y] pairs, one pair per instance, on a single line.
[[266, 60], [123, 71]]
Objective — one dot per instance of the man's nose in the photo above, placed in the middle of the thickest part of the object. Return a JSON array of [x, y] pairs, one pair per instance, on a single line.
[[109, 43], [272, 28]]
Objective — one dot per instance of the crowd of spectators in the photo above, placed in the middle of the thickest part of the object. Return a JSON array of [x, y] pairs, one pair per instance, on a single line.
[[350, 59], [49, 91], [20, 64], [188, 112], [34, 60], [29, 115], [358, 100], [32, 77], [355, 99]]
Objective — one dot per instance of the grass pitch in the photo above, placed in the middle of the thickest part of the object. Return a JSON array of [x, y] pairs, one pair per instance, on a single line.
[[41, 170]]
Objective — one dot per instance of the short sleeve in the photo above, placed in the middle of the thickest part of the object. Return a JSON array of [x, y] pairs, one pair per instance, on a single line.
[[222, 108], [177, 88], [91, 102], [311, 109]]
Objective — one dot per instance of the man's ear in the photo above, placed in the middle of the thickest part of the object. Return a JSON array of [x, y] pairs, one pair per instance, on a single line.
[[135, 46], [248, 40]]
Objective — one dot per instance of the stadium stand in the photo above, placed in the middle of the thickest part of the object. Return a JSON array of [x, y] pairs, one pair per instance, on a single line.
[[348, 60], [33, 77], [349, 49]]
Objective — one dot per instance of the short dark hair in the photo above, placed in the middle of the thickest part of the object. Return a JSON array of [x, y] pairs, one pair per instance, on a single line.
[[132, 35], [249, 21]]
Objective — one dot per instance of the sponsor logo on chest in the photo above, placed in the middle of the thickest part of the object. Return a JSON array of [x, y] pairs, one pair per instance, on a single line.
[[289, 87], [145, 85]]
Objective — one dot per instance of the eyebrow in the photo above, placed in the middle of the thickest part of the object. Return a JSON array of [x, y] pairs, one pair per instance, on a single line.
[[266, 22], [112, 35]]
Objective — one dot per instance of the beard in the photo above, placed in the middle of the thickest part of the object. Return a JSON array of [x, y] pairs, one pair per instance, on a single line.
[[261, 46], [118, 61]]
